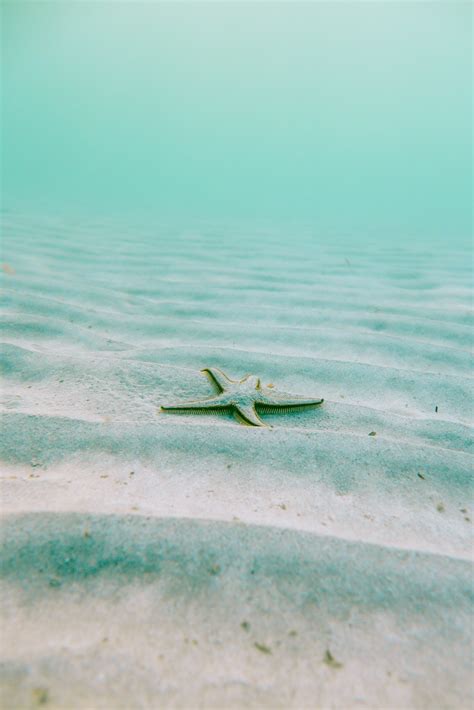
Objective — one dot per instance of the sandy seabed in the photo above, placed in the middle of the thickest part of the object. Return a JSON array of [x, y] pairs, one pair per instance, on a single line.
[[154, 560]]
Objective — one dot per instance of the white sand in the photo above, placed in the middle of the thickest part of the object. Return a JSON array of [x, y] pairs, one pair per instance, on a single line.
[[137, 543]]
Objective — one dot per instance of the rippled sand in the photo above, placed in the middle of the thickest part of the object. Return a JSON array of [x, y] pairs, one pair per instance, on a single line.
[[160, 560]]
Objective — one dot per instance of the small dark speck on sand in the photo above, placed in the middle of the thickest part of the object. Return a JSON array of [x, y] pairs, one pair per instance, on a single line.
[[373, 433], [292, 633], [420, 475], [329, 660], [54, 583], [436, 408], [261, 647], [40, 696], [440, 508], [463, 510], [245, 625], [215, 569]]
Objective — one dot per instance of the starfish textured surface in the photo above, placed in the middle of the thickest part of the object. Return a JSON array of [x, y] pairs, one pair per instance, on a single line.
[[243, 396]]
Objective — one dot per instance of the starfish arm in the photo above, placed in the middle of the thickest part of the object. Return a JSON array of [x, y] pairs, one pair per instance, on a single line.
[[249, 415], [280, 399], [209, 403], [218, 377]]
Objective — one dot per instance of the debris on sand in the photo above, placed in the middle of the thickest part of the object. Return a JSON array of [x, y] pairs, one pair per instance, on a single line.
[[329, 660], [40, 696], [261, 647]]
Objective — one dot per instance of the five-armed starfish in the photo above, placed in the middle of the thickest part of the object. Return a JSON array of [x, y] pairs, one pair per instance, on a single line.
[[243, 396]]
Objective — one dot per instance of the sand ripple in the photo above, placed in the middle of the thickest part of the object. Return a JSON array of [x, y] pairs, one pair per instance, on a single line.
[[219, 561]]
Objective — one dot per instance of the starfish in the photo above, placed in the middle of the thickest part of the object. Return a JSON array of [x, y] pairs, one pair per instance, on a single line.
[[243, 396]]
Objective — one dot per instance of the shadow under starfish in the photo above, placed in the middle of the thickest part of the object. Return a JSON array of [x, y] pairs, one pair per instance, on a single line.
[[243, 396]]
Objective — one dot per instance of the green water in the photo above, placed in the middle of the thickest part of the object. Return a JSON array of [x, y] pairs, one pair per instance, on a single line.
[[352, 117]]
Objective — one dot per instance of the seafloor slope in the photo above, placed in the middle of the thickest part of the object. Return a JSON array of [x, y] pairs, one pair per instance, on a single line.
[[154, 560]]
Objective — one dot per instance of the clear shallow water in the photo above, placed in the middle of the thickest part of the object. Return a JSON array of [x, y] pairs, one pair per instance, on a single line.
[[275, 188]]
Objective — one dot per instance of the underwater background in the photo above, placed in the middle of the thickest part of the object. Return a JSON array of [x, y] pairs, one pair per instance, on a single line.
[[282, 189], [352, 116]]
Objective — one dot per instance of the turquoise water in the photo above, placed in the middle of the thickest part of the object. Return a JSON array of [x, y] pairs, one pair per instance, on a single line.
[[266, 188], [353, 117]]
